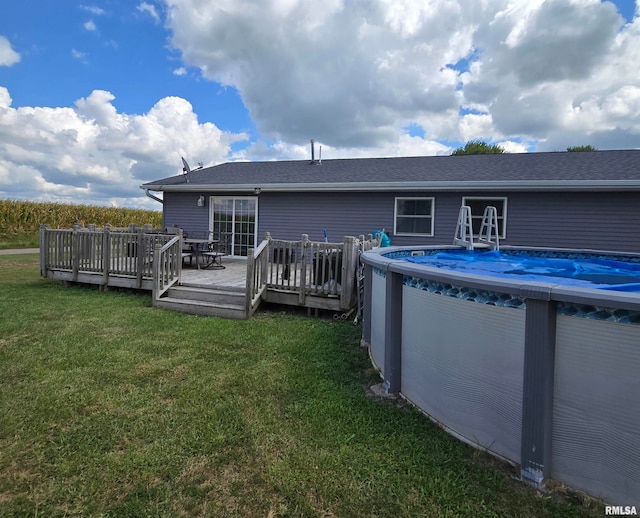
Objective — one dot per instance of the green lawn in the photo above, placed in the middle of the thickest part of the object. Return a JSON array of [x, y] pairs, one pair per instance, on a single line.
[[19, 240], [109, 407]]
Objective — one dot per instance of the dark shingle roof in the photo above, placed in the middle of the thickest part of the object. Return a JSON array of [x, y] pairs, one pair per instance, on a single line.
[[598, 169]]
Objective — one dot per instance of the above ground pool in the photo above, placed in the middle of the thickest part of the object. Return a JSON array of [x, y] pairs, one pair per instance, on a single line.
[[531, 354], [587, 272]]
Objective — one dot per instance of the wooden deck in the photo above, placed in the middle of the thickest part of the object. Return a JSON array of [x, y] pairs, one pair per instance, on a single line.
[[300, 273], [281, 289], [234, 275]]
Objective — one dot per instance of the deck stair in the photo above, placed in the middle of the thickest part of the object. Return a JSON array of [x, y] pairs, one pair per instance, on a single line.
[[225, 302]]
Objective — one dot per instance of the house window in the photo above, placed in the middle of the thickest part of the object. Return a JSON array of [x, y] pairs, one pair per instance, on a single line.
[[478, 205], [413, 217]]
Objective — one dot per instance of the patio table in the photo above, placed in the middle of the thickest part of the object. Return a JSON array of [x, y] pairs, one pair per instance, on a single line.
[[199, 247]]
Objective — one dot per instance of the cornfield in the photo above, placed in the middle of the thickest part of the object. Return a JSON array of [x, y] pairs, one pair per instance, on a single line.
[[25, 217]]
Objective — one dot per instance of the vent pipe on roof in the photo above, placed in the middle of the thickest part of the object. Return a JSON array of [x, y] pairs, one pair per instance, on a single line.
[[313, 151]]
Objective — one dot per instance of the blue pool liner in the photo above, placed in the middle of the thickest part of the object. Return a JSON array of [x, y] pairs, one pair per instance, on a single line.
[[607, 274]]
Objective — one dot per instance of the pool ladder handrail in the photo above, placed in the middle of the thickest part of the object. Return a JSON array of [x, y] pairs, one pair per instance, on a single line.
[[464, 229], [488, 237]]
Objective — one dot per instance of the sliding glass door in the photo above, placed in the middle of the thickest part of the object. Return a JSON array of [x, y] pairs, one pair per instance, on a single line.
[[235, 220]]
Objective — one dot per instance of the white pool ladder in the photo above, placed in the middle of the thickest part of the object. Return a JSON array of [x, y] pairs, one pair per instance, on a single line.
[[489, 234], [464, 228], [488, 237]]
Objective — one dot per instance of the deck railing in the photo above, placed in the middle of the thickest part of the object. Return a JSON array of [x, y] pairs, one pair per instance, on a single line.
[[167, 266], [100, 255], [257, 267], [313, 269], [302, 273]]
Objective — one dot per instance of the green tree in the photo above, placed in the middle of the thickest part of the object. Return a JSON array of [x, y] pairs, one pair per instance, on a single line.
[[478, 147], [588, 147]]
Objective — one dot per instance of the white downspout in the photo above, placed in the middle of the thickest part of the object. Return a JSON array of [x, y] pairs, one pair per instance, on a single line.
[[146, 191]]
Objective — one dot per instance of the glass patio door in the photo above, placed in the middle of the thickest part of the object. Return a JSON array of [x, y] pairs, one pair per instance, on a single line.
[[236, 218]]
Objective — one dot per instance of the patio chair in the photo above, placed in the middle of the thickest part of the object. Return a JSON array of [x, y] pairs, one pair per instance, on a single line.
[[187, 249], [215, 252]]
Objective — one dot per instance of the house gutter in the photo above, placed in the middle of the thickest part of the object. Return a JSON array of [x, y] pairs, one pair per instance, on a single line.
[[542, 185]]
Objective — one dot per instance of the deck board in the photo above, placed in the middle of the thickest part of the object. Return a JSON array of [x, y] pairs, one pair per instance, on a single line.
[[234, 275]]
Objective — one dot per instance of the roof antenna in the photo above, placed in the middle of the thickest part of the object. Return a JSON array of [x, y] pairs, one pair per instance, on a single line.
[[313, 152], [185, 169], [320, 156]]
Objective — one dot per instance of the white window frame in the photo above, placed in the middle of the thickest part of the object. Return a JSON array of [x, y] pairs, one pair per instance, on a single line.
[[503, 199], [431, 216]]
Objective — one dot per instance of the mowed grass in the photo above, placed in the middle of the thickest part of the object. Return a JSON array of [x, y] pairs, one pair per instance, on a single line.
[[109, 407]]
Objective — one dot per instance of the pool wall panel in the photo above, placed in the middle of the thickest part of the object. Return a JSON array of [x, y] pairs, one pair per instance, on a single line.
[[378, 307], [596, 418], [462, 363]]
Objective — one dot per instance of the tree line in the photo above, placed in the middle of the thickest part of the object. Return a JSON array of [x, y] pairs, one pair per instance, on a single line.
[[479, 147]]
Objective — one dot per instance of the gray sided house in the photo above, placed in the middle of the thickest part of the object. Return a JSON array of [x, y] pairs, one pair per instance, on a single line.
[[588, 200]]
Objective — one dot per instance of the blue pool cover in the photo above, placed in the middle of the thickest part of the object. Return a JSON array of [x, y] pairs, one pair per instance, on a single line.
[[598, 273]]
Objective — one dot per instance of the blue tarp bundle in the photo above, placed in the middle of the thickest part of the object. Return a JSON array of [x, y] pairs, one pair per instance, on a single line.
[[385, 240], [588, 272]]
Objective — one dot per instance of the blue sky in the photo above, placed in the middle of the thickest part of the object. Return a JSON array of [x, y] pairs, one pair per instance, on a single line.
[[100, 96], [70, 49]]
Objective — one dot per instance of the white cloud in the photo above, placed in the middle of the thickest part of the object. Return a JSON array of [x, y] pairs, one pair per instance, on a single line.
[[89, 26], [180, 71], [80, 56], [8, 56], [150, 9], [513, 147], [405, 145], [477, 127], [354, 73], [93, 153], [350, 73], [98, 11]]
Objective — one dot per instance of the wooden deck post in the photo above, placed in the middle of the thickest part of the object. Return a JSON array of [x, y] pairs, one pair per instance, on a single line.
[[155, 285], [75, 252], [140, 253], [265, 263], [106, 254], [44, 249], [251, 268], [348, 271], [304, 246]]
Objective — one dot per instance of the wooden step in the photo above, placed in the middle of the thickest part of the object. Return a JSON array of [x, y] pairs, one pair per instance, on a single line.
[[213, 295], [195, 307]]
